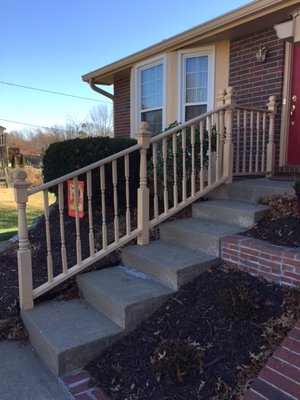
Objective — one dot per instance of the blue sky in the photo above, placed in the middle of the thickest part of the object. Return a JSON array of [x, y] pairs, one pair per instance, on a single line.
[[50, 44]]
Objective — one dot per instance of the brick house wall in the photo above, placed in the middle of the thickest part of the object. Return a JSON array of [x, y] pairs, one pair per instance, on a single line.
[[122, 108], [254, 82]]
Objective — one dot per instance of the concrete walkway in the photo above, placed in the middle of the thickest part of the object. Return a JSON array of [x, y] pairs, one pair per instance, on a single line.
[[23, 375]]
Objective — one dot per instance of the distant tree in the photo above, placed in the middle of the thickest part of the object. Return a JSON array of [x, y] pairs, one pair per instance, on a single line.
[[100, 121]]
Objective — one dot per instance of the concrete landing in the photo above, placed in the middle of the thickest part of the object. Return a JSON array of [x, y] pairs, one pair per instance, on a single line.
[[124, 295], [170, 264]]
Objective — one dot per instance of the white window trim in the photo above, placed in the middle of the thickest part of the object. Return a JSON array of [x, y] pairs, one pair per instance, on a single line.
[[162, 59], [182, 55]]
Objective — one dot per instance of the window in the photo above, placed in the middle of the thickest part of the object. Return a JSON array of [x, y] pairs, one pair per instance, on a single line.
[[196, 84], [150, 85]]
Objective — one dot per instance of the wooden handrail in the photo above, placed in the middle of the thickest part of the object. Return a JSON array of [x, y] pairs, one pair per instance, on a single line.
[[187, 124], [83, 170]]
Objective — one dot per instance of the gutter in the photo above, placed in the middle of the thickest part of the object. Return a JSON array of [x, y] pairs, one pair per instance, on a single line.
[[101, 91]]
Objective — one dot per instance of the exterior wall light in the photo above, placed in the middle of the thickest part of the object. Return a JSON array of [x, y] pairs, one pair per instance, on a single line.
[[261, 54]]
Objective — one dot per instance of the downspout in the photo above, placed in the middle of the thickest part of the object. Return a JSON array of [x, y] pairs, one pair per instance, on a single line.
[[101, 91]]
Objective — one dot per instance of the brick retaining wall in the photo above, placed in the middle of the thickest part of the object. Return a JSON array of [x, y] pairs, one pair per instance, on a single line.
[[274, 263]]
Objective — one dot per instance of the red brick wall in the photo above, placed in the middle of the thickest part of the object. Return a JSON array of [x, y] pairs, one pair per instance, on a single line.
[[122, 108], [274, 263], [254, 82]]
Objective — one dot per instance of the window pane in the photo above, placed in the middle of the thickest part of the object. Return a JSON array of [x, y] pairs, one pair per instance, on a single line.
[[152, 87], [196, 79], [154, 119], [194, 111]]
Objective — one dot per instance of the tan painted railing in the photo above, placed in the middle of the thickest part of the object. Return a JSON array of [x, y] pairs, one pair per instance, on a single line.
[[254, 147], [176, 168]]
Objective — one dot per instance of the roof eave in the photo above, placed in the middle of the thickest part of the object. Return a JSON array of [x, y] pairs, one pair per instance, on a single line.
[[256, 9]]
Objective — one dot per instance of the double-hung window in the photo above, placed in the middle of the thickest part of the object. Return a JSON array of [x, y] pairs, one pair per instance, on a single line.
[[150, 87], [196, 83]]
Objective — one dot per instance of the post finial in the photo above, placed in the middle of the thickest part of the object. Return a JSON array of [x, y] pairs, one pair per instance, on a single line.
[[143, 136]]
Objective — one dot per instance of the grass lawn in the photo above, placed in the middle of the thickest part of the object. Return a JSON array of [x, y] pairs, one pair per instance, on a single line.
[[9, 214]]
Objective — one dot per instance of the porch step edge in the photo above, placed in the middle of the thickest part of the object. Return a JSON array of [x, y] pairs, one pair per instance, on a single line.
[[122, 294]]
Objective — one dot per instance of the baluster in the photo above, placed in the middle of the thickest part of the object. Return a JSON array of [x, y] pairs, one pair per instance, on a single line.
[[217, 163], [103, 210], [165, 153], [90, 211], [221, 141], [193, 177], [257, 142], [48, 237], [128, 219], [238, 127], [245, 141], [77, 222], [201, 155], [263, 151], [175, 185], [209, 150], [62, 227], [155, 197], [115, 191], [251, 141], [183, 165]]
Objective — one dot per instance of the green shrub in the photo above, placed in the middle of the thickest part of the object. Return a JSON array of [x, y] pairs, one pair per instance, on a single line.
[[64, 157], [179, 157]]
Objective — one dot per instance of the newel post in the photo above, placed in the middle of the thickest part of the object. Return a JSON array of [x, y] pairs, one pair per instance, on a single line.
[[24, 253], [272, 107], [143, 138], [228, 145]]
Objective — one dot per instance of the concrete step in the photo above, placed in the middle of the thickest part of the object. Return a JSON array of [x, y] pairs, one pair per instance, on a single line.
[[252, 190], [69, 334], [230, 211], [167, 263], [198, 234], [123, 294]]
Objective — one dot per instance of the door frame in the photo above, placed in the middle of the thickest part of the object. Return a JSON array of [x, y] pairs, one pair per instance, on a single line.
[[286, 104]]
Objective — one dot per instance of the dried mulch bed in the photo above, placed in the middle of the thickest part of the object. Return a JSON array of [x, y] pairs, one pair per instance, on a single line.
[[283, 231], [206, 342], [281, 225]]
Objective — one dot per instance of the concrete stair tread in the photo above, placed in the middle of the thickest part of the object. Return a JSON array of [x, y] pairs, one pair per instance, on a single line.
[[239, 205], [161, 251], [72, 333], [123, 294], [204, 227], [173, 265], [235, 212], [253, 189]]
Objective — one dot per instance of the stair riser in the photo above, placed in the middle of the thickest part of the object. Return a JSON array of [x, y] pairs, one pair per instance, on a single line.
[[231, 216], [163, 274], [149, 267], [196, 241], [126, 316], [62, 362]]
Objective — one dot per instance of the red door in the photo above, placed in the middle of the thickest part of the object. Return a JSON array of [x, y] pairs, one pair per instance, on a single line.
[[294, 126]]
